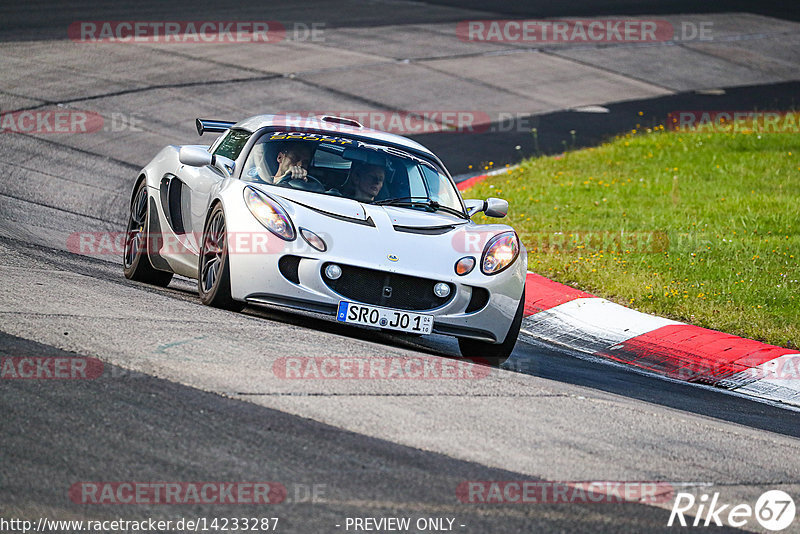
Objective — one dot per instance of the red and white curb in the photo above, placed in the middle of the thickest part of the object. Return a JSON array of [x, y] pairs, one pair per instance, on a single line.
[[472, 180], [565, 316]]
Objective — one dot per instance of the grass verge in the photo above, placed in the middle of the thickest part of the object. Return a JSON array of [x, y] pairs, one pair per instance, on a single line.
[[698, 227]]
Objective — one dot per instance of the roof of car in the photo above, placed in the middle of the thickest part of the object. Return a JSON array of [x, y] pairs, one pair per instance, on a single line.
[[317, 123]]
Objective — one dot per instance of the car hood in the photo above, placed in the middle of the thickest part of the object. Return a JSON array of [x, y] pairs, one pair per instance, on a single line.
[[326, 204], [387, 238], [412, 218], [352, 209]]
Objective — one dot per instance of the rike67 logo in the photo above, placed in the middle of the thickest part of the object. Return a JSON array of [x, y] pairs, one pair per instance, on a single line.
[[774, 510]]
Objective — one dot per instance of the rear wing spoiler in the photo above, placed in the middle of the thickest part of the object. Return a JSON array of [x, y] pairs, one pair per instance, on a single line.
[[211, 125]]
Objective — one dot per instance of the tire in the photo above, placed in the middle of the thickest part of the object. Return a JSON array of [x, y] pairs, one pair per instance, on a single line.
[[213, 269], [135, 263], [494, 354]]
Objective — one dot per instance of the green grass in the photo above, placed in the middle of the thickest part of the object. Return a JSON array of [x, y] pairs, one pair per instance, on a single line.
[[729, 204]]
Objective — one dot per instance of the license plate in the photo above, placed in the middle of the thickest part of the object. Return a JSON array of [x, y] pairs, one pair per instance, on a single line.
[[353, 313]]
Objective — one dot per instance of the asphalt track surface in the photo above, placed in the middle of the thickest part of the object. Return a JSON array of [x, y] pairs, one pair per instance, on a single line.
[[189, 394], [510, 140]]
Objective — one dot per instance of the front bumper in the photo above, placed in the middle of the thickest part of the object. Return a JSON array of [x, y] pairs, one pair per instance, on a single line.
[[267, 285]]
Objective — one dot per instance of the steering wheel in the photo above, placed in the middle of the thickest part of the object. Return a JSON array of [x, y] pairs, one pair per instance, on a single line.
[[312, 184]]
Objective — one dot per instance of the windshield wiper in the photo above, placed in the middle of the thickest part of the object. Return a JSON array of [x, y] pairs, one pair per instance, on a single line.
[[398, 200], [425, 202]]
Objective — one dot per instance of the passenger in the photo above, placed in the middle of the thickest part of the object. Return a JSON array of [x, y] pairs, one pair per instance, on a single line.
[[365, 181], [293, 161]]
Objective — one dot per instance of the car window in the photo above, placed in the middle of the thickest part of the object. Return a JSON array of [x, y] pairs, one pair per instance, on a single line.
[[439, 187], [232, 144], [330, 157], [353, 169], [416, 182]]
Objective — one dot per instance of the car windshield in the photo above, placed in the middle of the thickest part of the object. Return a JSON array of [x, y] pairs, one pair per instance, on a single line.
[[369, 173]]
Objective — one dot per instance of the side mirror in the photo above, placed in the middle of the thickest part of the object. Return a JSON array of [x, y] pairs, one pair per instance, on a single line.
[[492, 207], [195, 156], [496, 207], [198, 157]]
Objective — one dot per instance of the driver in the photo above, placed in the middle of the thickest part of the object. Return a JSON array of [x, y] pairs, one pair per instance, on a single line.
[[366, 181], [293, 161]]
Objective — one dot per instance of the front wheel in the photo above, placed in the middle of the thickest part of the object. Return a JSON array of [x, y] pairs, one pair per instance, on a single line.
[[213, 276], [135, 263], [494, 354]]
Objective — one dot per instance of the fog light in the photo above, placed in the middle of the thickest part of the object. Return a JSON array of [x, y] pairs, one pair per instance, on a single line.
[[441, 290], [333, 271]]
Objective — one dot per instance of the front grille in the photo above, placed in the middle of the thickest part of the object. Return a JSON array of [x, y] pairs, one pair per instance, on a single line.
[[480, 297], [288, 267], [391, 290], [429, 230]]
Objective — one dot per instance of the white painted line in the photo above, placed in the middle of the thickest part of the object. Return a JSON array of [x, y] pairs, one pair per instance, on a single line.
[[777, 379], [592, 109], [646, 372], [494, 172], [591, 324]]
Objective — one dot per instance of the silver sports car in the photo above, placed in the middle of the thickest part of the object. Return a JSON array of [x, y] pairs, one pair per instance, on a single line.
[[324, 215]]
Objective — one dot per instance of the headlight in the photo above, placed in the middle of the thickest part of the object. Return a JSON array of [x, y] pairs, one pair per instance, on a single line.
[[269, 213], [500, 252], [313, 239]]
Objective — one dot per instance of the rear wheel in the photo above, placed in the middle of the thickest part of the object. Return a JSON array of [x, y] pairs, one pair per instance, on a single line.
[[494, 354], [135, 263], [213, 277]]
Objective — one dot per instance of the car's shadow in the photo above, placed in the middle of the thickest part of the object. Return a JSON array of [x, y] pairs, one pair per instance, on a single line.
[[543, 360], [436, 345]]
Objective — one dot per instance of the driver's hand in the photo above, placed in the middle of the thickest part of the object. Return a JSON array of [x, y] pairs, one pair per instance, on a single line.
[[295, 172]]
